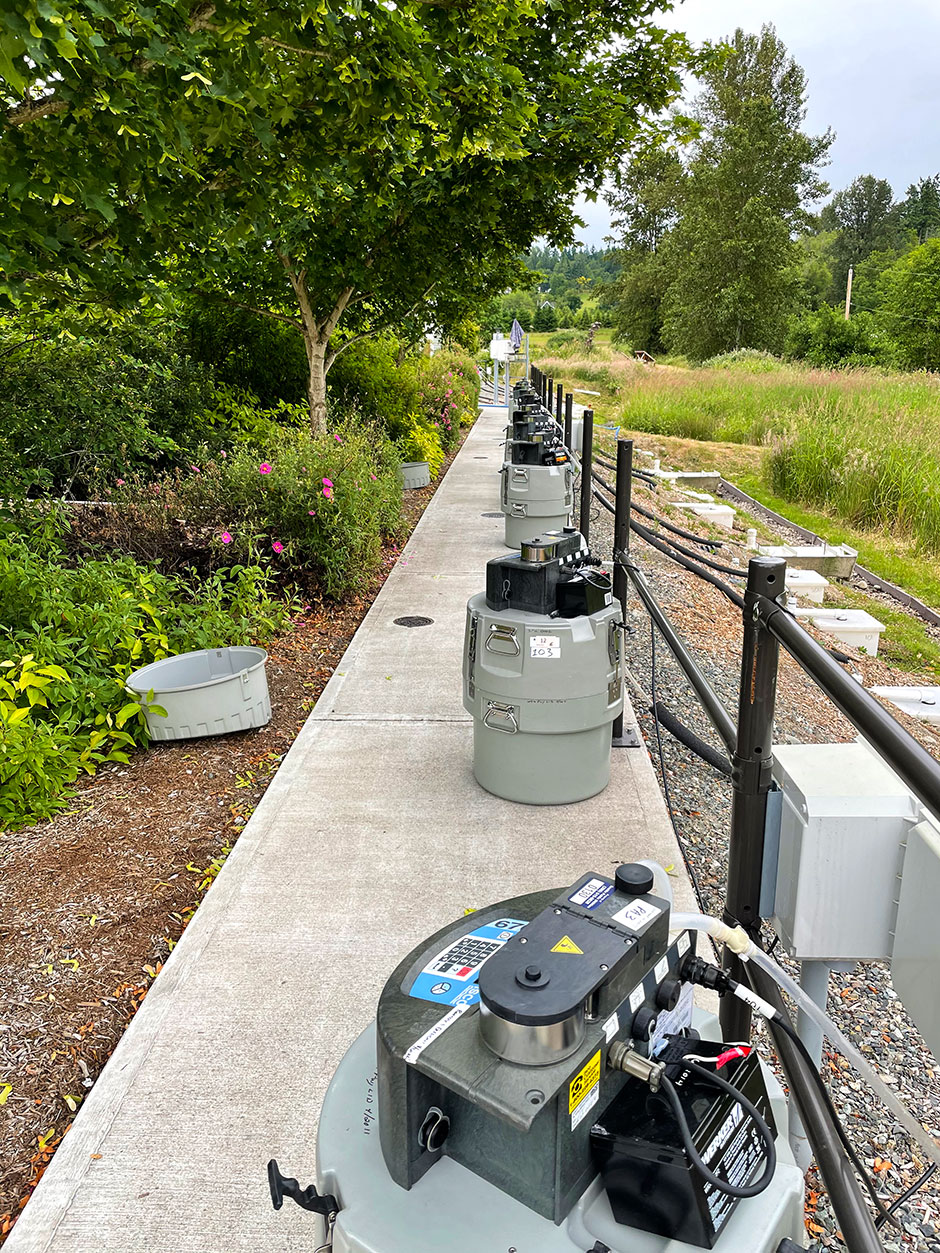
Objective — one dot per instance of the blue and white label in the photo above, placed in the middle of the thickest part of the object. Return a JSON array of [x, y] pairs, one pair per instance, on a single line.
[[591, 894], [450, 977]]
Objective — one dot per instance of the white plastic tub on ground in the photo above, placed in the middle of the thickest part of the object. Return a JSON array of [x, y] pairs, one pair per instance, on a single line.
[[719, 515], [807, 583], [854, 627], [414, 475], [919, 702], [210, 692]]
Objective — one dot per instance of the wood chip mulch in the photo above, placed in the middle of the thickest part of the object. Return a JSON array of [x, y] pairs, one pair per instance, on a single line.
[[93, 901]]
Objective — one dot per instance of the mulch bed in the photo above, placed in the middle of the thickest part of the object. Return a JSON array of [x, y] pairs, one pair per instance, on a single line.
[[94, 900]]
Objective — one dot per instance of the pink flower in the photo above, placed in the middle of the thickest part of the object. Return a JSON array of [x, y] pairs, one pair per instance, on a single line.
[[312, 512], [264, 468], [328, 493], [372, 477], [225, 537], [278, 546], [223, 453], [119, 482], [195, 469], [337, 438], [327, 482]]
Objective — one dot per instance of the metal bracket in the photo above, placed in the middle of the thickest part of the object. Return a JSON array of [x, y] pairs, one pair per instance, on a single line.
[[629, 739]]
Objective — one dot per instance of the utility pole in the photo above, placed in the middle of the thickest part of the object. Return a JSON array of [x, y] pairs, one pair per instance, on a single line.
[[848, 294]]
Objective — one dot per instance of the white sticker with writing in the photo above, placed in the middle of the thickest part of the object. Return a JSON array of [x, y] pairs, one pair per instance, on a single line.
[[544, 645], [586, 1104], [412, 1054], [637, 997], [637, 914], [611, 1027], [683, 943], [661, 969]]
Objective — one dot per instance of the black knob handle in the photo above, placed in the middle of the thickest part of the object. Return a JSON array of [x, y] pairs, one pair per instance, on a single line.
[[633, 879], [644, 1023], [668, 992]]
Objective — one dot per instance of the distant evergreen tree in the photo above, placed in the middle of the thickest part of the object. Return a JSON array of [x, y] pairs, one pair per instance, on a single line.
[[920, 210], [735, 265]]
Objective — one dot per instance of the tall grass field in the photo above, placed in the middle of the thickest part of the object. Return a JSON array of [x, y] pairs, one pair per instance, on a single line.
[[861, 445]]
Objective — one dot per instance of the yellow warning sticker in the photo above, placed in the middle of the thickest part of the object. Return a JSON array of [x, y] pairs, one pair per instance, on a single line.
[[567, 945], [584, 1081]]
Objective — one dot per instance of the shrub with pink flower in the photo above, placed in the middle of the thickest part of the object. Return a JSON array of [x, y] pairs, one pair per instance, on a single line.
[[226, 537], [448, 393], [265, 468], [277, 546]]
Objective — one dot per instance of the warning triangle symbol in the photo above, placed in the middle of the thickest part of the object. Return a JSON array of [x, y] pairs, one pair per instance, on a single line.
[[567, 945]]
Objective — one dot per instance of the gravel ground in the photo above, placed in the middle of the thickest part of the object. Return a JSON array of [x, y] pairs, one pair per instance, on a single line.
[[863, 1002]]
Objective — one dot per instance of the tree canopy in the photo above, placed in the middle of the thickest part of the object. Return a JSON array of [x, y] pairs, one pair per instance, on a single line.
[[315, 162]]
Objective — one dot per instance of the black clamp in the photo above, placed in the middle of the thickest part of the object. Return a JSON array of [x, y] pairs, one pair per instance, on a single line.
[[307, 1198]]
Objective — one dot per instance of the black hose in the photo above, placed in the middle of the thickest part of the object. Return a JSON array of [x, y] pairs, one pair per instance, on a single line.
[[703, 560], [694, 743], [637, 474], [722, 1185], [654, 517], [884, 1215], [651, 539], [645, 534]]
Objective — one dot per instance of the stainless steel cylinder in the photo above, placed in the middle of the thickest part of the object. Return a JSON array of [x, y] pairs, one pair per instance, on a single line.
[[531, 1046]]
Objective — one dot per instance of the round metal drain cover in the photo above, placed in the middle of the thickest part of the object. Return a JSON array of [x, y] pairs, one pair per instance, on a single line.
[[491, 515], [414, 620]]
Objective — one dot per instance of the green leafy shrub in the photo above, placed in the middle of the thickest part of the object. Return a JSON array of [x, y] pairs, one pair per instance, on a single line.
[[421, 441], [249, 352], [72, 407], [236, 417], [368, 376], [71, 634], [823, 337], [448, 393]]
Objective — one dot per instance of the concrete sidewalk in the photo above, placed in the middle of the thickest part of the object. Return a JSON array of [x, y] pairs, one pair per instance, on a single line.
[[372, 835]]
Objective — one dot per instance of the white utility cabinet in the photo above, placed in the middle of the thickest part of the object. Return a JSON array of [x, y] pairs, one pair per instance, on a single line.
[[844, 823]]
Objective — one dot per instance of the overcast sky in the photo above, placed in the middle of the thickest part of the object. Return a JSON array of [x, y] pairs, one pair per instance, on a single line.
[[873, 69]]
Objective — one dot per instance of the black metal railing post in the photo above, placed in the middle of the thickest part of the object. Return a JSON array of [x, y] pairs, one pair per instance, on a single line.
[[534, 376], [587, 483], [549, 394], [751, 779], [569, 411], [622, 500], [558, 399]]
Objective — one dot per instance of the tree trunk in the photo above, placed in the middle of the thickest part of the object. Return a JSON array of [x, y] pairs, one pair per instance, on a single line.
[[316, 384]]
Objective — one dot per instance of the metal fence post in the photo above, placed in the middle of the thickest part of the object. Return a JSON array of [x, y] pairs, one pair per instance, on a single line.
[[550, 394], [751, 779], [558, 395], [587, 483], [569, 409], [624, 485]]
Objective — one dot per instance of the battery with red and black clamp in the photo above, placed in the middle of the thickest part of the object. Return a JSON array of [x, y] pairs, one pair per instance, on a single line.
[[697, 971], [676, 1158]]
